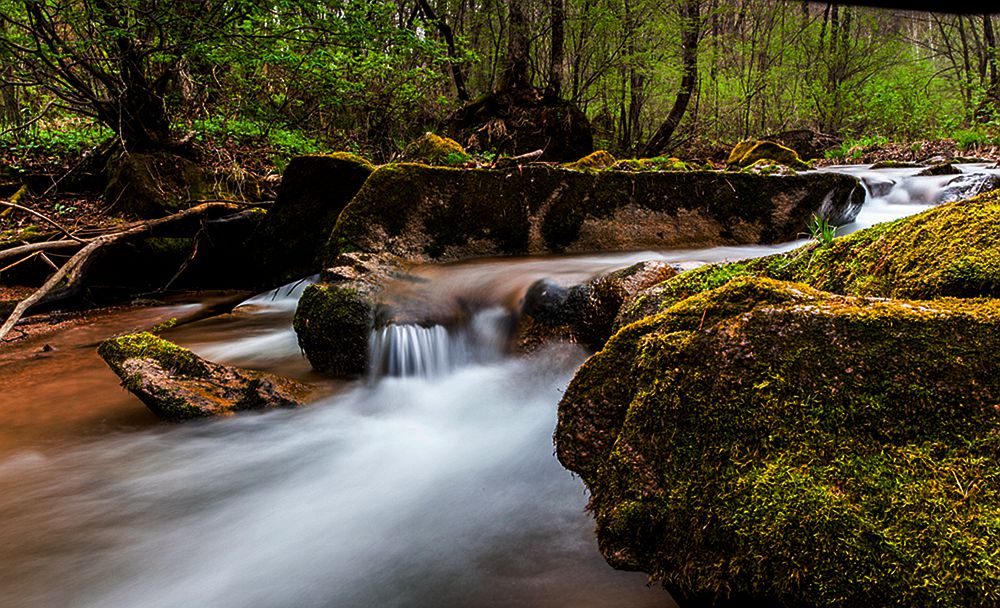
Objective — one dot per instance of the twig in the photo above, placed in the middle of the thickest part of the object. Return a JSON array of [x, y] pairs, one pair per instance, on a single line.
[[44, 218]]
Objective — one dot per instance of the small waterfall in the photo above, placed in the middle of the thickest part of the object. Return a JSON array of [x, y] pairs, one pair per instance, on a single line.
[[412, 350]]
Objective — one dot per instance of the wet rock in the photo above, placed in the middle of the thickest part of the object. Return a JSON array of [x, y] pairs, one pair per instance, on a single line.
[[435, 213], [583, 313], [176, 385], [877, 186], [770, 442], [968, 185], [896, 164], [313, 192], [748, 152], [335, 316], [941, 169]]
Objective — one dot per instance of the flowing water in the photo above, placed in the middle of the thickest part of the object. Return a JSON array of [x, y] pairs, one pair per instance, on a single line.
[[430, 483]]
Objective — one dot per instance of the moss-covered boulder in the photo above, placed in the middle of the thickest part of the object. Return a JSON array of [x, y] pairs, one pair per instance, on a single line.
[[152, 184], [748, 152], [176, 385], [951, 250], [335, 316], [768, 442], [313, 192], [437, 213], [431, 149], [595, 161]]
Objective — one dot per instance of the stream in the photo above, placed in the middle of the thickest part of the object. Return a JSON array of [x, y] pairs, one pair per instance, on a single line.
[[432, 483]]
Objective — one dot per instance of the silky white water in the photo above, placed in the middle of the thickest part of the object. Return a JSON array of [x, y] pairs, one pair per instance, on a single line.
[[431, 483]]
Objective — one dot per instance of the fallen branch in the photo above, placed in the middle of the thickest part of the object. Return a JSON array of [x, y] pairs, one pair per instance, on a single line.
[[73, 270], [42, 217]]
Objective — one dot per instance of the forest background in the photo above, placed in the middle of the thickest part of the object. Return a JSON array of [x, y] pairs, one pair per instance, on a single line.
[[271, 80]]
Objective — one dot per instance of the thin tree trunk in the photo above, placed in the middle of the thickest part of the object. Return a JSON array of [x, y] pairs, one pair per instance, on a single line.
[[689, 59], [449, 39], [515, 74], [557, 52]]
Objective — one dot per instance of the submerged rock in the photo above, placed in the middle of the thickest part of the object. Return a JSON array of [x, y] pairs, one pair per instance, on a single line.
[[436, 213], [951, 250], [767, 441], [176, 384]]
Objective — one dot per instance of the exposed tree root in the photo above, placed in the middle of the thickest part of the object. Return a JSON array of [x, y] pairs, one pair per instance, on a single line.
[[68, 279]]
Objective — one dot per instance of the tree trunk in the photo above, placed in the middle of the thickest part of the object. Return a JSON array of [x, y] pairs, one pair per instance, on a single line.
[[515, 74], [689, 59], [557, 13], [449, 38]]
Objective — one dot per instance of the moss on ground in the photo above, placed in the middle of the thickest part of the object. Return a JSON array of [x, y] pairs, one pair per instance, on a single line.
[[767, 440], [595, 161]]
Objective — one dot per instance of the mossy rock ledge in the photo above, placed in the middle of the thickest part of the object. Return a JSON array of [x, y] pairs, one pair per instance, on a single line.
[[176, 385], [765, 441], [437, 213], [951, 250]]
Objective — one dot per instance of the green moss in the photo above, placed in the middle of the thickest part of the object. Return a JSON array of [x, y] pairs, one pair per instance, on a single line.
[[332, 323], [765, 439], [951, 250], [659, 163], [431, 149], [595, 161], [146, 345], [748, 152]]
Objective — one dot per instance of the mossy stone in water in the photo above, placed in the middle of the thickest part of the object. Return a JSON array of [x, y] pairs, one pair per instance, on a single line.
[[176, 384], [769, 441], [332, 322]]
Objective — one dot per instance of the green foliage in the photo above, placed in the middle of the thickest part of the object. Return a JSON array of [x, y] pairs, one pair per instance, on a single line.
[[822, 231], [853, 148]]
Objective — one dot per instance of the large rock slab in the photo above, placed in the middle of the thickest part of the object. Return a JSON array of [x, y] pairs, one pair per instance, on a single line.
[[436, 213], [765, 441], [176, 385]]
